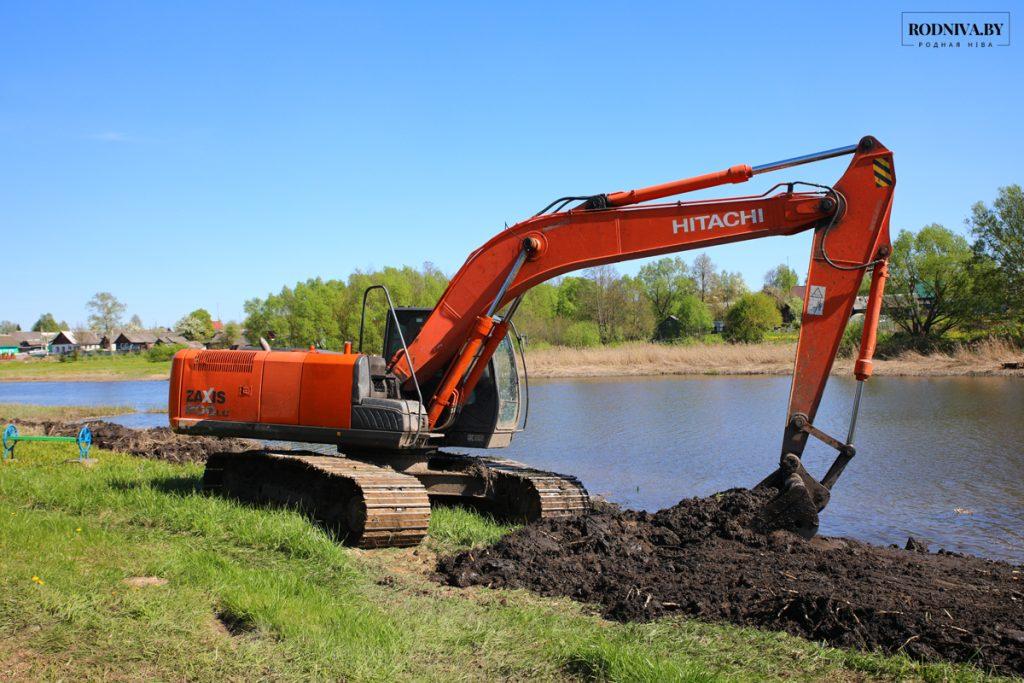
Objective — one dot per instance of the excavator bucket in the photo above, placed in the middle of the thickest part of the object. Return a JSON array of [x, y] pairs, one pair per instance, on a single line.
[[797, 501]]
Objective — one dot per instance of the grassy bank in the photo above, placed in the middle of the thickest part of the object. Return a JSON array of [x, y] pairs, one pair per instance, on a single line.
[[25, 411], [768, 358], [124, 571], [97, 368]]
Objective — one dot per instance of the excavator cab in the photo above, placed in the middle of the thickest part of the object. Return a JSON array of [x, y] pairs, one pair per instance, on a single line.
[[491, 413]]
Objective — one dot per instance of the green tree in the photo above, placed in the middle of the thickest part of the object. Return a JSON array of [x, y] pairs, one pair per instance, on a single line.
[[865, 283], [196, 326], [6, 327], [635, 318], [601, 301], [617, 305], [751, 318], [726, 289], [792, 310], [326, 313], [408, 286], [694, 316], [930, 288], [106, 312], [665, 282], [232, 333], [47, 323], [999, 253], [582, 334], [537, 317], [703, 274], [780, 280], [573, 294]]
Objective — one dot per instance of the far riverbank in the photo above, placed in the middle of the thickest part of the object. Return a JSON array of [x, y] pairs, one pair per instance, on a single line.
[[644, 359], [624, 360]]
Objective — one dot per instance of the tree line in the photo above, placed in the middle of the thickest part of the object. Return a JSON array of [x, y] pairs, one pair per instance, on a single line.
[[599, 306], [107, 317], [944, 287]]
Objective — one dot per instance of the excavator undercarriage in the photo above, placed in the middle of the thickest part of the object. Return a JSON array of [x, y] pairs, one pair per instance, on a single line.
[[378, 493], [449, 376], [370, 506]]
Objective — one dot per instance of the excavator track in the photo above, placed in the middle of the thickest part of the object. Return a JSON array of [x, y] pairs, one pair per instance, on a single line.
[[531, 494], [364, 505], [511, 490]]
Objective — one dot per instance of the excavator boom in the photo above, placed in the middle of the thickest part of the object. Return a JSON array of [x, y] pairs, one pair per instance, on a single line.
[[851, 223]]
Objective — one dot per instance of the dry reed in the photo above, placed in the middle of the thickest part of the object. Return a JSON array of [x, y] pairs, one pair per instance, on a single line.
[[634, 359]]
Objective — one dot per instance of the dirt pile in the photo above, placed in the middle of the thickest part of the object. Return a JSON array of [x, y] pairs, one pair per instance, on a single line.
[[701, 558], [157, 442]]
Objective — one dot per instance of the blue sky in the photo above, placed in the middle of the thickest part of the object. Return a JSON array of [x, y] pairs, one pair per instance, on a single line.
[[197, 154]]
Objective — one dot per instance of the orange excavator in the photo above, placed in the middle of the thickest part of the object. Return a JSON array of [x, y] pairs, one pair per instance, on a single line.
[[450, 376]]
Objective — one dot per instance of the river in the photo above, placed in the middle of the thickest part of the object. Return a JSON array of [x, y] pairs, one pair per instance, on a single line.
[[937, 458]]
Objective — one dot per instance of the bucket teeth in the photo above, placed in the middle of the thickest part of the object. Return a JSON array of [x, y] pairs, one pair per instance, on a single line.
[[799, 501], [792, 510]]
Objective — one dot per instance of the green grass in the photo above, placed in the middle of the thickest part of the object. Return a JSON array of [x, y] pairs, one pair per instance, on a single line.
[[98, 367], [26, 411], [455, 528], [264, 594]]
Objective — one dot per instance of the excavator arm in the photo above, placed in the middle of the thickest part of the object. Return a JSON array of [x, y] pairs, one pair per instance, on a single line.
[[851, 235]]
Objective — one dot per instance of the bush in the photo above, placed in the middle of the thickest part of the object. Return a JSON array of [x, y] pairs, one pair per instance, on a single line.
[[751, 318], [850, 343], [162, 353], [894, 345], [694, 317], [582, 334], [792, 310]]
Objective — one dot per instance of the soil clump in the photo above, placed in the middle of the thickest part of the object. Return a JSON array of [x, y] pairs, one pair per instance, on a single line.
[[707, 558]]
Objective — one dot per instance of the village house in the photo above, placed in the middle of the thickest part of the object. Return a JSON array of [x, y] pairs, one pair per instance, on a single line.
[[171, 338], [35, 343], [134, 341], [67, 342], [8, 345]]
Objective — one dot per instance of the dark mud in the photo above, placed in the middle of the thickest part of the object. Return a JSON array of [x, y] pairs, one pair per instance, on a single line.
[[703, 558], [157, 442]]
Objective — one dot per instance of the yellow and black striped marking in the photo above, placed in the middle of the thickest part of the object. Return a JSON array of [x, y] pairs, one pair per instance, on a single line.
[[883, 173]]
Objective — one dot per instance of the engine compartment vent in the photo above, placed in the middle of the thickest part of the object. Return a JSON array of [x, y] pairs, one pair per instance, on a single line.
[[224, 361]]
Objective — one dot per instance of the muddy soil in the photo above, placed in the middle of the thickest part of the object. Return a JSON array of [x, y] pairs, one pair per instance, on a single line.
[[157, 442], [702, 558]]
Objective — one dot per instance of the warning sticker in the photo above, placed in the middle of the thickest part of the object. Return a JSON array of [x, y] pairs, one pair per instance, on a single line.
[[883, 173], [816, 300]]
